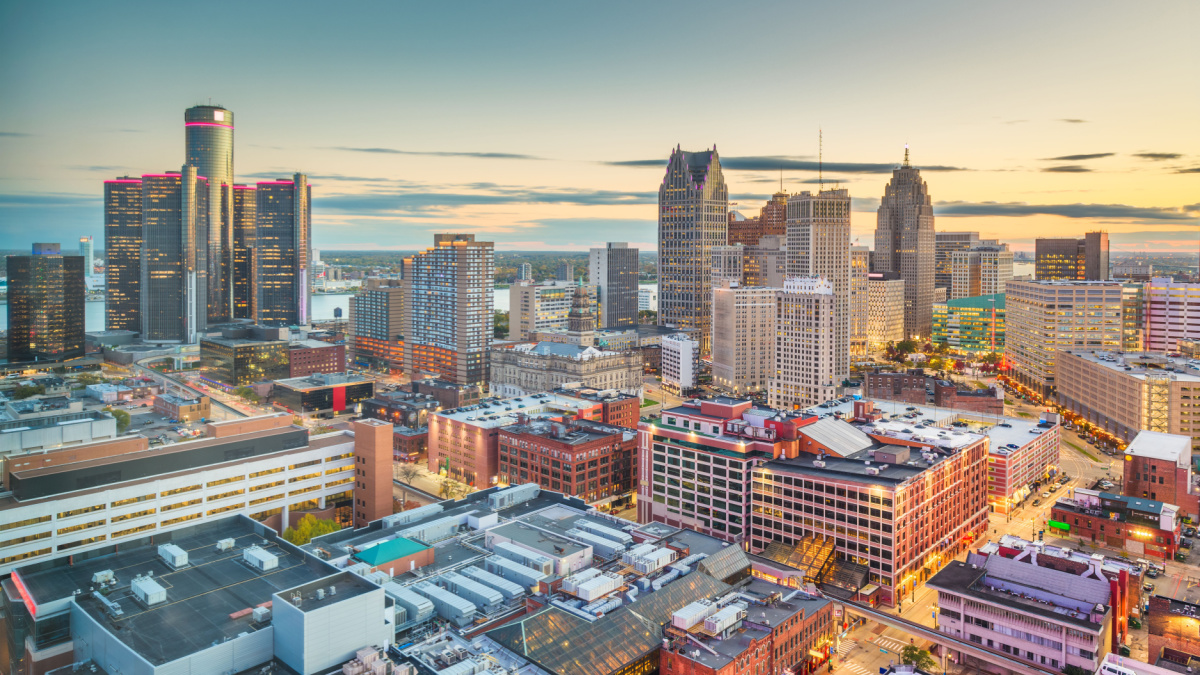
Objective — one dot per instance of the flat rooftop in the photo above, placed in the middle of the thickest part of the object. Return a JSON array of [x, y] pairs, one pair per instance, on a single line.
[[179, 400], [939, 417], [1137, 365], [572, 434], [347, 585], [321, 381], [495, 412], [240, 342], [1040, 591], [1157, 445], [950, 439], [547, 541], [850, 469], [200, 596]]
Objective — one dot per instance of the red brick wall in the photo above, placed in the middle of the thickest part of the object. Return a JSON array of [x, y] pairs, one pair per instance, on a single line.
[[623, 413], [304, 361], [372, 471]]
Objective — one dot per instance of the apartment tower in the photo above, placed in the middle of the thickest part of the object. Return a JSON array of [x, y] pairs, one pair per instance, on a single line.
[[283, 251], [123, 254], [693, 206], [806, 355], [208, 132], [448, 317], [376, 323], [904, 243]]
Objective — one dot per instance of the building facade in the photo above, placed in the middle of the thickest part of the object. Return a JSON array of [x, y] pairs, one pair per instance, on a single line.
[[1171, 313], [1139, 526], [860, 269], [1044, 317], [904, 243], [680, 363], [376, 334], [448, 314], [614, 270], [529, 368], [743, 356], [197, 409], [595, 462], [306, 357], [46, 295], [321, 393], [885, 308], [1072, 259], [1133, 317], [806, 368], [1158, 466], [233, 362], [974, 325], [245, 237], [208, 141], [541, 307], [693, 204], [283, 252], [771, 221], [818, 245], [123, 254], [761, 264], [945, 244], [1020, 454], [173, 289], [981, 270]]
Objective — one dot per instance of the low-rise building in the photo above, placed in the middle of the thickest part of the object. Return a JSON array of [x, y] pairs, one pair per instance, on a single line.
[[909, 386], [616, 408], [448, 394], [1159, 466], [1139, 526], [680, 363], [527, 368], [974, 324], [306, 357], [322, 393], [402, 408], [54, 427], [1036, 615], [988, 401], [1172, 638], [1022, 455], [231, 362], [195, 409], [595, 462]]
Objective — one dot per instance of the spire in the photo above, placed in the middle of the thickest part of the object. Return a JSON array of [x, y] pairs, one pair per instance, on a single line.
[[580, 319], [906, 164], [820, 158]]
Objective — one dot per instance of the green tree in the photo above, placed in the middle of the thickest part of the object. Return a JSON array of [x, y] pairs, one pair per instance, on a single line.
[[121, 417], [500, 325], [906, 346], [647, 316], [915, 656], [308, 528], [248, 394], [90, 378], [27, 390], [992, 358]]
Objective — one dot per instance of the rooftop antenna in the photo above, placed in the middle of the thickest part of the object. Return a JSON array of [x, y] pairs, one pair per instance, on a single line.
[[820, 158], [906, 155]]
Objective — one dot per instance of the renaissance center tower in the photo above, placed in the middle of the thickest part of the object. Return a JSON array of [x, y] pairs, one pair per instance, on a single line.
[[209, 147]]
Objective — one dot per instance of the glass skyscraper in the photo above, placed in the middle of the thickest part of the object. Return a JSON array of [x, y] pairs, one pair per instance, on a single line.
[[122, 254], [245, 208], [174, 207], [209, 147], [282, 251], [45, 305]]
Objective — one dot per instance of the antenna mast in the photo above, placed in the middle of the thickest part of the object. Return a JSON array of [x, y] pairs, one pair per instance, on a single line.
[[820, 158], [906, 154]]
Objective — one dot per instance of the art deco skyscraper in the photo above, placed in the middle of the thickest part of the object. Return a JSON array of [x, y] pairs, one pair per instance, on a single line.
[[614, 271], [209, 147], [818, 245], [283, 251], [245, 210], [448, 317], [904, 243], [122, 254], [174, 207], [45, 305], [860, 267], [693, 207]]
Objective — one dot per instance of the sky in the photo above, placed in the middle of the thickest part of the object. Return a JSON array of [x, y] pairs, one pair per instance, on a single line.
[[547, 125]]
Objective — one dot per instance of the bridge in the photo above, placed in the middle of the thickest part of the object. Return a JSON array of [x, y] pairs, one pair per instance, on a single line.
[[948, 641]]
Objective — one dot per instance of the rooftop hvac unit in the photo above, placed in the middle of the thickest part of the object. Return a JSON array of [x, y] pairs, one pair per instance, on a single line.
[[514, 495], [507, 588], [636, 552], [606, 532], [412, 516], [259, 559], [605, 547], [103, 577], [598, 587], [262, 614], [447, 605], [524, 556], [571, 583], [513, 571], [225, 544], [726, 618], [690, 615], [148, 591], [173, 555], [417, 607], [435, 530], [469, 589]]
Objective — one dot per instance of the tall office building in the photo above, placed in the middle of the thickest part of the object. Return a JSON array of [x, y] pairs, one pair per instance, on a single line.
[[613, 270], [770, 221], [904, 243], [743, 336], [818, 245], [45, 305], [980, 270], [541, 307], [763, 264], [860, 269], [693, 204], [88, 255], [245, 213], [448, 317], [885, 308], [174, 207], [1171, 310], [283, 250], [944, 246], [376, 333], [806, 356], [123, 254], [208, 132], [1072, 259], [565, 272]]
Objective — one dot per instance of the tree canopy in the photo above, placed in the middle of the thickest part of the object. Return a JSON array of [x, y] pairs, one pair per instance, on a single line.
[[309, 527]]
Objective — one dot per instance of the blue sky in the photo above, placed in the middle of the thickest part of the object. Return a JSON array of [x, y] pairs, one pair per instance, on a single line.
[[547, 124]]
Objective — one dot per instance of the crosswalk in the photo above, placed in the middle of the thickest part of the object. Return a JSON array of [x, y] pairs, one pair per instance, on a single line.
[[856, 669], [890, 644], [845, 647]]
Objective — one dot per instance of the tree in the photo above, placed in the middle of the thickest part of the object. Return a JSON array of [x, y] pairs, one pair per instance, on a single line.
[[308, 528], [121, 417], [500, 325], [992, 358], [90, 378], [906, 346], [27, 390], [408, 473], [647, 316], [915, 656], [248, 394]]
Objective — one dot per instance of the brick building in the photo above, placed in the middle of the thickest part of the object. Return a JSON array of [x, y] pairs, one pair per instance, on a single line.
[[1139, 526], [594, 462], [183, 409], [1159, 466], [770, 221], [448, 394], [1173, 635], [908, 386], [616, 408], [984, 401], [409, 445], [306, 357]]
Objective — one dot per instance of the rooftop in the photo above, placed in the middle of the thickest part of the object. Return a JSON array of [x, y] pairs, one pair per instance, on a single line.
[[494, 412], [239, 342], [347, 585], [840, 437], [567, 434], [543, 536], [322, 380], [1156, 445], [1138, 365], [977, 302], [179, 400], [857, 470]]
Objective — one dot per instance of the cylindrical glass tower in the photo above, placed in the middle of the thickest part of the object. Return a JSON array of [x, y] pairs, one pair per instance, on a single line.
[[209, 140]]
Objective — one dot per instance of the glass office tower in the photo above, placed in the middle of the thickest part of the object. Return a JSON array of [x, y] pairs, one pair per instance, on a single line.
[[122, 254], [245, 206], [283, 251], [209, 147], [45, 305], [174, 207]]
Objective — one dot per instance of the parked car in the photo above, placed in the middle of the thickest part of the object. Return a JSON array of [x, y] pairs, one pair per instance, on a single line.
[[1185, 542], [1189, 531], [1037, 502], [1152, 572], [1148, 587], [1045, 495]]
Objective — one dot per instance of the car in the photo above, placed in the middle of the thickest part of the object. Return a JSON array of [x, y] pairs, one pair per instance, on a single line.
[[1064, 479], [1037, 502], [1152, 572], [1054, 488], [1189, 531], [1185, 542], [1004, 424], [1045, 495], [1148, 587]]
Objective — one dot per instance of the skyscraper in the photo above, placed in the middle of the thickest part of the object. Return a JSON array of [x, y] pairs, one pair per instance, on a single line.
[[944, 246], [45, 305], [818, 245], [174, 206], [860, 266], [980, 270], [377, 324], [693, 206], [770, 221], [282, 251], [806, 357], [1072, 259], [904, 243], [743, 336], [614, 271], [123, 254], [245, 213], [208, 132], [448, 317], [89, 260]]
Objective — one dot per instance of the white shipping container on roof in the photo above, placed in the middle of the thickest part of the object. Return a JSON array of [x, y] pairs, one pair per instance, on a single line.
[[606, 532], [636, 552], [598, 587], [514, 495], [434, 530], [690, 615], [448, 605], [507, 588], [726, 618]]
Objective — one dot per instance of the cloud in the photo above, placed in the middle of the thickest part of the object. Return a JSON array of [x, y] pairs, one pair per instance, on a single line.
[[1157, 156], [1070, 168], [50, 199], [777, 162], [1078, 158], [272, 175], [1194, 169], [1070, 120], [13, 134], [411, 202], [432, 153], [1016, 121], [100, 167], [1019, 209]]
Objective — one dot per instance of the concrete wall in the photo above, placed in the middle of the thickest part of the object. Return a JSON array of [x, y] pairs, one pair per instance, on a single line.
[[94, 642], [236, 655], [328, 635]]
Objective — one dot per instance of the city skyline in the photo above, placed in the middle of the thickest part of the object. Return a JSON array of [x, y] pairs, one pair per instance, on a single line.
[[556, 139]]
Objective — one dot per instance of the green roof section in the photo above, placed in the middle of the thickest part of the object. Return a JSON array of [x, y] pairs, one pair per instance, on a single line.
[[390, 550], [977, 302]]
